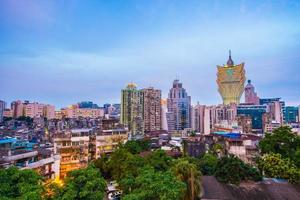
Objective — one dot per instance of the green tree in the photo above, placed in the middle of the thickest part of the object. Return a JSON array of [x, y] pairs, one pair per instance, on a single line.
[[159, 160], [282, 141], [28, 120], [217, 149], [208, 164], [297, 157], [102, 164], [190, 175], [122, 163], [193, 133], [6, 119], [273, 165], [20, 184], [137, 146], [116, 161], [231, 169], [82, 184], [151, 184]]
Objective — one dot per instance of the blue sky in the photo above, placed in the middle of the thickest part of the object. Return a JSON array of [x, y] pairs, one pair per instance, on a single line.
[[63, 52]]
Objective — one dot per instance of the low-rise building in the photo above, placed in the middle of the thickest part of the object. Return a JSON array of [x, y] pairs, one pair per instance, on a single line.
[[73, 147], [24, 155], [108, 140]]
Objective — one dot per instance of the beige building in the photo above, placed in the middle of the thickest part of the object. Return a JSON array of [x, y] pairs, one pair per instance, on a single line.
[[109, 140], [89, 112], [7, 113], [74, 112], [27, 109], [73, 147], [49, 111], [33, 110], [17, 109]]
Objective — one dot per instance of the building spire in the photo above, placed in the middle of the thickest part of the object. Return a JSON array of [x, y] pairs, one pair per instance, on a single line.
[[230, 61]]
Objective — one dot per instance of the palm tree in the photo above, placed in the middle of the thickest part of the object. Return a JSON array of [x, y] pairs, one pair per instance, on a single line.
[[189, 174], [218, 150]]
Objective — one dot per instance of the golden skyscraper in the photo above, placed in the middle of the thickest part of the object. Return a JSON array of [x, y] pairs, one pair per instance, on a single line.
[[231, 79]]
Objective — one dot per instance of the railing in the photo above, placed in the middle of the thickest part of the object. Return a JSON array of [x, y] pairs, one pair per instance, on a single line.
[[42, 162]]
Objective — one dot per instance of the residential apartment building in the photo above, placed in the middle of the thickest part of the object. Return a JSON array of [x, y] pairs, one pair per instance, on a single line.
[[152, 109], [74, 149], [132, 109]]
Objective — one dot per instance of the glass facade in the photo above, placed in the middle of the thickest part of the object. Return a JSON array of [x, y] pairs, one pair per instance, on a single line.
[[255, 112], [291, 114]]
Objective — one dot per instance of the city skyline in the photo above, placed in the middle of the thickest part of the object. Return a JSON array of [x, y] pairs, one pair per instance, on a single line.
[[66, 52]]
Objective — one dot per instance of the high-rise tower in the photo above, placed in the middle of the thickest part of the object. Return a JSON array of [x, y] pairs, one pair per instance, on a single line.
[[2, 108], [152, 109], [179, 108], [132, 109], [231, 79]]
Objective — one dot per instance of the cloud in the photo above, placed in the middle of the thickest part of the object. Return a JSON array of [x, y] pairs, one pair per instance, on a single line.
[[187, 45]]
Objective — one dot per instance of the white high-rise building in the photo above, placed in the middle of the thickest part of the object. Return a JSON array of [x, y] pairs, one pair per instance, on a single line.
[[164, 110]]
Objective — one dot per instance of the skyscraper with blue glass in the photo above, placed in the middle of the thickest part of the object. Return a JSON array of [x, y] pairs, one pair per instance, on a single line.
[[179, 106]]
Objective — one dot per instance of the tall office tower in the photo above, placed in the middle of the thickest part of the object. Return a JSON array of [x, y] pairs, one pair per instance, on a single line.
[[256, 112], [291, 114], [231, 79], [170, 121], [276, 108], [152, 109], [87, 104], [2, 108], [179, 106], [132, 109], [17, 109], [250, 94], [202, 119], [164, 110]]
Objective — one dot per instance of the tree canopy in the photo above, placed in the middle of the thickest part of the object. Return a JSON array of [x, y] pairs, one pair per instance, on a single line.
[[231, 169], [151, 184], [282, 141], [20, 184], [137, 146], [274, 166], [82, 184], [189, 174], [208, 164]]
